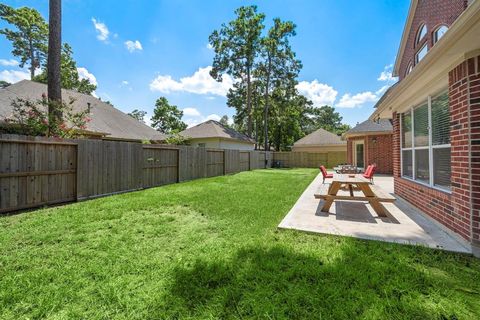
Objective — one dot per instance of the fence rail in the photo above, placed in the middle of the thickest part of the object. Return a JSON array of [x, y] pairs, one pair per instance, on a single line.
[[36, 171]]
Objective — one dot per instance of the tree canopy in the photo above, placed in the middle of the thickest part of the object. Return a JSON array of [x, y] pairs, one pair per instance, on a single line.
[[138, 115], [265, 70], [167, 118], [236, 45], [29, 37], [69, 73]]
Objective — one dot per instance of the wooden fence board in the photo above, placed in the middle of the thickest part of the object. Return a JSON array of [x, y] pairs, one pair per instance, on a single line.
[[35, 173]]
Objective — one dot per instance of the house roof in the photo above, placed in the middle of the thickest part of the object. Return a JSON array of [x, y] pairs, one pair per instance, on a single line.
[[214, 129], [406, 32], [320, 137], [460, 43], [106, 119], [369, 126]]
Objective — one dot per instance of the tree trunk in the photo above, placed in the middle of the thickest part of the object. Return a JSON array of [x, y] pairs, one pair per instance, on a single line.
[[249, 104], [54, 56], [32, 61], [267, 94]]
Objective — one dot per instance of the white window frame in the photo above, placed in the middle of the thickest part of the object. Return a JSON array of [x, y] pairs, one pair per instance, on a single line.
[[430, 146], [355, 160], [420, 37], [435, 33], [417, 55]]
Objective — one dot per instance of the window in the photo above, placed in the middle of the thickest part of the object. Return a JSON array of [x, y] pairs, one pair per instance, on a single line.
[[421, 53], [409, 68], [201, 145], [425, 135], [441, 141], [439, 33], [422, 32]]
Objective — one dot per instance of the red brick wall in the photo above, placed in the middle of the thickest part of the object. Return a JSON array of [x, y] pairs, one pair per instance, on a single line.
[[460, 210], [433, 13], [378, 153], [465, 90], [460, 140]]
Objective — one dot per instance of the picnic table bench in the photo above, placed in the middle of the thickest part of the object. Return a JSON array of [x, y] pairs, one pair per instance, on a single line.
[[373, 194]]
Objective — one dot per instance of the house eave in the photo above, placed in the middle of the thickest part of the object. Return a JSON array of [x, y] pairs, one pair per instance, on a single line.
[[431, 74], [403, 41]]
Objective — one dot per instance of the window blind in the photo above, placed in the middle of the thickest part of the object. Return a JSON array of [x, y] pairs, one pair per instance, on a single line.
[[440, 120], [420, 122]]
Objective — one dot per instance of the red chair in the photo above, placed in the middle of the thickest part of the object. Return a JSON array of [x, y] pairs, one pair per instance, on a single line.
[[325, 174], [369, 173]]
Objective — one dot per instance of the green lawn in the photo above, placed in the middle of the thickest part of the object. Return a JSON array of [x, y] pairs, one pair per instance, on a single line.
[[210, 249]]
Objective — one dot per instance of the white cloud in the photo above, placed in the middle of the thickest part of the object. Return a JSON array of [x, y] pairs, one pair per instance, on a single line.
[[125, 82], [213, 116], [200, 83], [192, 112], [320, 94], [192, 117], [12, 76], [133, 45], [209, 46], [102, 30], [382, 90], [386, 74], [9, 62], [349, 101], [83, 73]]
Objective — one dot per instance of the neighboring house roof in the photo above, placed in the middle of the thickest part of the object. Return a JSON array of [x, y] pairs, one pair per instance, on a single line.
[[214, 129], [369, 126], [320, 137], [106, 119]]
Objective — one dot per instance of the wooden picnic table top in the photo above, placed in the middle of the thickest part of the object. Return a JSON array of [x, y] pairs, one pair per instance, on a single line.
[[350, 178]]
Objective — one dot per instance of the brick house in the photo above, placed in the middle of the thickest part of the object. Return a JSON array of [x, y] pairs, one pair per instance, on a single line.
[[435, 110], [370, 142]]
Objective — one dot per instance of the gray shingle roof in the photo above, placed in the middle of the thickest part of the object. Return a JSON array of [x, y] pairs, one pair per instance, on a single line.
[[320, 137], [383, 125], [214, 129], [105, 118]]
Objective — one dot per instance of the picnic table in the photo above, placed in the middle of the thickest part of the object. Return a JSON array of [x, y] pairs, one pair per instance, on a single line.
[[373, 194]]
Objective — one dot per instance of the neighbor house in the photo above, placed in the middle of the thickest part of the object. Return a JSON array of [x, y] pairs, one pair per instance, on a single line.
[[107, 122], [213, 134], [320, 141], [435, 109], [370, 142]]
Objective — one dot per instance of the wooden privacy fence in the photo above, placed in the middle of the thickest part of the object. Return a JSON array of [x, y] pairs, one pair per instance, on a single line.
[[309, 160], [36, 171]]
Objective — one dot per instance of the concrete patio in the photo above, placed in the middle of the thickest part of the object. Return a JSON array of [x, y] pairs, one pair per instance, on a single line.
[[405, 224]]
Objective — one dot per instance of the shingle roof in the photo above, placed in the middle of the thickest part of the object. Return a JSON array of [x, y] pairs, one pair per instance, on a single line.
[[382, 125], [320, 137], [105, 118], [214, 129]]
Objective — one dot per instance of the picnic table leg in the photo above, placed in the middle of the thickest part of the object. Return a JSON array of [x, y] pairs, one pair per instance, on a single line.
[[372, 199], [350, 187], [377, 207], [332, 191]]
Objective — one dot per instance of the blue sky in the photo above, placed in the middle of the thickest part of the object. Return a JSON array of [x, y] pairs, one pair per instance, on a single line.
[[140, 50]]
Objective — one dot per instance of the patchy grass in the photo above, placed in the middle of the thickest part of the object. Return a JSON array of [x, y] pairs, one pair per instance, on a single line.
[[210, 249]]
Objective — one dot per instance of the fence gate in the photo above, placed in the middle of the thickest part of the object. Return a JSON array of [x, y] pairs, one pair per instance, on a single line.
[[36, 173], [160, 166]]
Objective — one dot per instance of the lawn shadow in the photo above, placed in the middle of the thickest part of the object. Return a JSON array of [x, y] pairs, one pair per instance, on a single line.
[[275, 282]]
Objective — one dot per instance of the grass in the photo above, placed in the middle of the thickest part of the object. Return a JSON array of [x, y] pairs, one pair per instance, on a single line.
[[210, 249]]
